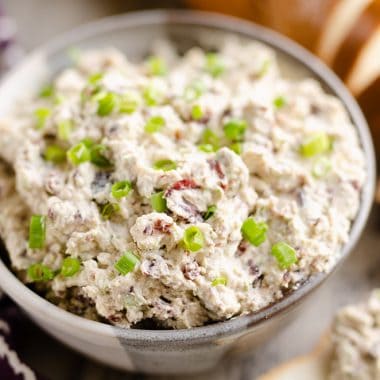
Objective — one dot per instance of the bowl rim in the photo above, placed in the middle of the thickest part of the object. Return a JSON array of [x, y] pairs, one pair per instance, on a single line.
[[29, 300]]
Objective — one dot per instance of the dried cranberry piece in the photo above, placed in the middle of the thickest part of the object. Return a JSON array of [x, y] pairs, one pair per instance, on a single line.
[[162, 226]]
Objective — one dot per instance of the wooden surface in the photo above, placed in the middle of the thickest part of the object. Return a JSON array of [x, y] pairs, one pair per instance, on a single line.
[[39, 20]]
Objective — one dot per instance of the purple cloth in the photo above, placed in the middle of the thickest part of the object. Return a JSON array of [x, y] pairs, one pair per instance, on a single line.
[[11, 336], [11, 318], [10, 51]]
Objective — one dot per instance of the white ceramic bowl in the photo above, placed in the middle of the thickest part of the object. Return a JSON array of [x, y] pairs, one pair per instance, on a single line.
[[174, 351]]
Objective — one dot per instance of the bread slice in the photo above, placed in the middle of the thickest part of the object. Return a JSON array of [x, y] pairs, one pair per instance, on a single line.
[[301, 20], [367, 66], [338, 24], [357, 61], [313, 366], [369, 101], [239, 8]]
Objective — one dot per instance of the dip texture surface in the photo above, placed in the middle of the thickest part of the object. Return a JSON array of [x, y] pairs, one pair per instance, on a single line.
[[356, 341], [180, 190]]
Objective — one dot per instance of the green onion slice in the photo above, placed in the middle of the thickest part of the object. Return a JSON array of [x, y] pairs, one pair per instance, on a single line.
[[127, 263], [58, 99], [107, 103], [236, 147], [321, 167], [97, 156], [65, 128], [79, 154], [317, 143], [193, 239], [210, 138], [39, 272], [207, 148], [128, 103], [152, 96], [254, 232], [108, 210], [165, 165], [210, 212], [41, 115], [121, 189], [70, 266], [89, 143], [158, 202], [154, 124], [194, 91], [234, 129], [37, 232], [55, 154], [284, 254], [95, 78], [214, 64], [264, 68], [219, 281], [47, 91], [279, 102], [197, 112], [157, 66]]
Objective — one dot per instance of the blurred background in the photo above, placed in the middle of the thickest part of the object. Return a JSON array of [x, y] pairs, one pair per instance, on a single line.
[[343, 33]]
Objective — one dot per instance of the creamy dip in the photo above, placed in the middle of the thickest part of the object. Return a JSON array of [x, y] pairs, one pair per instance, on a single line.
[[356, 341], [181, 190]]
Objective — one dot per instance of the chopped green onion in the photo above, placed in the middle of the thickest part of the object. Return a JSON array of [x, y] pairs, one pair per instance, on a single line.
[[152, 96], [236, 147], [193, 239], [264, 68], [95, 78], [41, 115], [127, 263], [154, 124], [284, 254], [108, 209], [79, 153], [254, 232], [65, 128], [121, 189], [88, 142], [194, 91], [55, 153], [107, 103], [98, 158], [40, 272], [210, 138], [210, 212], [70, 266], [234, 129], [157, 66], [279, 102], [128, 103], [315, 144], [37, 232], [158, 202], [47, 91], [197, 112], [207, 148], [219, 281], [321, 167], [58, 99], [165, 165], [214, 64]]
